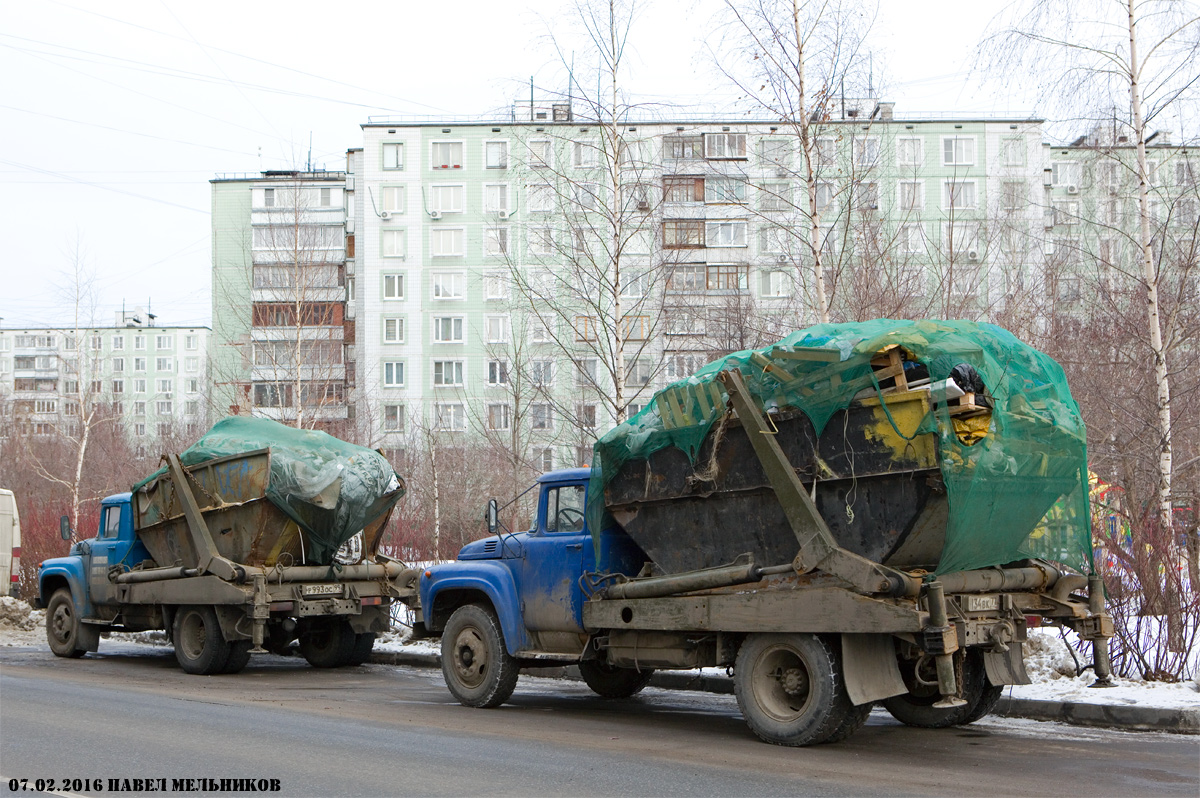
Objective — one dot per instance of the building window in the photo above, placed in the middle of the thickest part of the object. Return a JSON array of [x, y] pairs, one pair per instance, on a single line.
[[541, 372], [687, 148], [635, 328], [910, 151], [265, 395], [1013, 195], [912, 195], [540, 153], [911, 238], [393, 155], [546, 457], [1066, 212], [725, 234], [448, 329], [1012, 151], [495, 198], [776, 284], [393, 418], [393, 286], [446, 199], [541, 240], [193, 386], [725, 190], [268, 198], [118, 386], [495, 285], [865, 152], [496, 329], [449, 285], [586, 195], [826, 152], [541, 416], [683, 233], [775, 153], [499, 417], [775, 196], [583, 154], [541, 198], [497, 372], [191, 364], [495, 241], [447, 373], [450, 417], [393, 374], [163, 343], [393, 329], [139, 386], [683, 189], [683, 364], [586, 373], [326, 196], [118, 365], [637, 372], [446, 242], [446, 155], [163, 407], [164, 364], [139, 407], [166, 385], [688, 278], [391, 199], [586, 416], [495, 154], [960, 195], [958, 150], [393, 244], [118, 342], [866, 196], [139, 343], [724, 145], [727, 277], [539, 331]]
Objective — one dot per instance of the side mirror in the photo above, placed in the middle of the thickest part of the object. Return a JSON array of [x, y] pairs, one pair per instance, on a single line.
[[493, 516], [64, 527]]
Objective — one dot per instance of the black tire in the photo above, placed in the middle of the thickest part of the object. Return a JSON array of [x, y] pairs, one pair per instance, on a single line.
[[478, 669], [239, 656], [200, 647], [62, 625], [915, 708], [988, 699], [327, 643], [361, 651], [613, 681], [790, 690], [856, 718]]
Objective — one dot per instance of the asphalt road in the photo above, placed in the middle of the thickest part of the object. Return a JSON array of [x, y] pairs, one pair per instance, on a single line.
[[129, 713]]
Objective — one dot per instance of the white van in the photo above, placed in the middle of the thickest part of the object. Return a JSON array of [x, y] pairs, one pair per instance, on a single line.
[[10, 545]]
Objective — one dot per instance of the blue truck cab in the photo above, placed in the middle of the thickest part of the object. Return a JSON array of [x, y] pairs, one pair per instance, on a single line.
[[516, 599], [76, 591]]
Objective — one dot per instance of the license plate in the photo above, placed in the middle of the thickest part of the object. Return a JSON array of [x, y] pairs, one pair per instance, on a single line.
[[322, 590], [982, 603]]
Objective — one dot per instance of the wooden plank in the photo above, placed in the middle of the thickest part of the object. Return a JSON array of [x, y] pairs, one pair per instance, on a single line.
[[813, 354]]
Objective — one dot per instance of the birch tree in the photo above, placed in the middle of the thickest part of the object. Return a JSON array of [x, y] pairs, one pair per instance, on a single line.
[[1134, 60]]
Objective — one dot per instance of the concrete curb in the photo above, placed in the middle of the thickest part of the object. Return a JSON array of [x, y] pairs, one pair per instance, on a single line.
[[1108, 716]]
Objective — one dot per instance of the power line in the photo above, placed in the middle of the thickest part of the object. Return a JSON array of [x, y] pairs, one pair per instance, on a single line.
[[103, 186]]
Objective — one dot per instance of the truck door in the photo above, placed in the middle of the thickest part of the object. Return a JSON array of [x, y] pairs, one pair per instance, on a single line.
[[555, 557], [108, 549]]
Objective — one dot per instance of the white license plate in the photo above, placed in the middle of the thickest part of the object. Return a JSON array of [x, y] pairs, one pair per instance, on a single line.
[[982, 603], [322, 590]]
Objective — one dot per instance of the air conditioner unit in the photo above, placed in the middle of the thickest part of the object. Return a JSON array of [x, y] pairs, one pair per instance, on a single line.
[[502, 214], [781, 172], [643, 205], [781, 258], [1072, 189], [435, 214], [385, 215], [972, 254]]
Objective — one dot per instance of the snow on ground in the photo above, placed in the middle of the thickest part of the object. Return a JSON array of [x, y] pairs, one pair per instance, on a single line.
[[1047, 660]]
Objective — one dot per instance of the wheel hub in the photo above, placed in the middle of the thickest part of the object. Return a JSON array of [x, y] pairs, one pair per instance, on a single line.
[[470, 657], [794, 681]]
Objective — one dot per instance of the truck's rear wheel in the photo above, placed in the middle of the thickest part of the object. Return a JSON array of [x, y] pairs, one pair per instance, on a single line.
[[789, 688], [915, 708], [239, 656], [327, 642], [62, 625], [361, 651], [478, 669], [613, 681], [199, 645]]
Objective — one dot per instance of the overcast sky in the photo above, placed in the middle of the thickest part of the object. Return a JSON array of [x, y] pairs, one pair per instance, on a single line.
[[115, 115]]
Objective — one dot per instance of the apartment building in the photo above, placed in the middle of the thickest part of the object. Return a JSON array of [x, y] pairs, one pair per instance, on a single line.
[[151, 379], [460, 223], [282, 336]]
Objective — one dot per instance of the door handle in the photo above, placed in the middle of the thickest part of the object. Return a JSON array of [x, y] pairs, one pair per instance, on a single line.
[[575, 546]]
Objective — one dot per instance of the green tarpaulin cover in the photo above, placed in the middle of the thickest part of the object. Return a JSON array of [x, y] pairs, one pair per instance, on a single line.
[[330, 488], [1033, 457]]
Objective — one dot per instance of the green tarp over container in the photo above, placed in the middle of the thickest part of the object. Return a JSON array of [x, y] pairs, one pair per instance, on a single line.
[[1034, 454], [330, 488]]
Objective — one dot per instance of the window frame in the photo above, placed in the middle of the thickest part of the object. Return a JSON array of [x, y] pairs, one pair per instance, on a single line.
[[434, 144]]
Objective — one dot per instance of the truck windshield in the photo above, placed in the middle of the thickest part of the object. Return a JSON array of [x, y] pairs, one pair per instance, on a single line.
[[564, 509]]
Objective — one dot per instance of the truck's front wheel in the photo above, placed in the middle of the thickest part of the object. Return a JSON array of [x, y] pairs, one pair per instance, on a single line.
[[199, 645], [478, 669], [62, 625], [790, 689], [612, 681]]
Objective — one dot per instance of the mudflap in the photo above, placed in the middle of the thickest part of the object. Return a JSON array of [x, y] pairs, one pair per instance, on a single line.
[[870, 668], [1006, 667]]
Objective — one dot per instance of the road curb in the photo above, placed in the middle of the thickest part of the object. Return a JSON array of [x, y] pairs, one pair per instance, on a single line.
[[1108, 716]]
